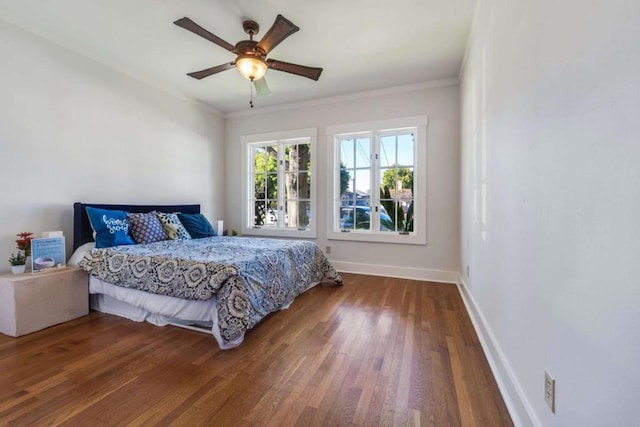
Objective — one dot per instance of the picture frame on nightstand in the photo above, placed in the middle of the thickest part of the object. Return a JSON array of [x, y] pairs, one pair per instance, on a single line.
[[47, 253]]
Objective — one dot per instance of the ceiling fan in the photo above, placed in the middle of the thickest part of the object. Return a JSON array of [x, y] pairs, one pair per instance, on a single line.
[[251, 60]]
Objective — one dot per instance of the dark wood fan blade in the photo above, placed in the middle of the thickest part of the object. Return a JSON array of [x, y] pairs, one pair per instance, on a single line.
[[188, 24], [213, 70], [300, 70], [280, 30]]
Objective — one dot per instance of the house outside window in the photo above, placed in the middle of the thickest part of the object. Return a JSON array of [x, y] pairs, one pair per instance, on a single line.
[[378, 181], [279, 184]]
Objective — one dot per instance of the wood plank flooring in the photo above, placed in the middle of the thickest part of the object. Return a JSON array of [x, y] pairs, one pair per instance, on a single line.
[[377, 351]]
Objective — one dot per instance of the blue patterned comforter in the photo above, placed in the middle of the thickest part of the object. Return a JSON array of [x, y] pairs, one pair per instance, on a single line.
[[250, 277]]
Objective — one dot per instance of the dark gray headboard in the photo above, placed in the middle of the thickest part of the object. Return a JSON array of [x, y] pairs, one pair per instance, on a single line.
[[83, 233]]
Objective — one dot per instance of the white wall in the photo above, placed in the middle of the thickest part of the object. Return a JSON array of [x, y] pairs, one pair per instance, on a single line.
[[441, 104], [74, 130], [554, 281]]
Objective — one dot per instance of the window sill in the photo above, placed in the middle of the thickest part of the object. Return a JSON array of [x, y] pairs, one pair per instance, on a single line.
[[270, 232], [358, 236]]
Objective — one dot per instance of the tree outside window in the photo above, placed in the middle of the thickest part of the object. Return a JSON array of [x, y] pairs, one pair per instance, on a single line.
[[282, 184]]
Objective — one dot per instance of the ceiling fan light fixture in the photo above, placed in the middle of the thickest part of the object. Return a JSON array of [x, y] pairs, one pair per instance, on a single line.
[[251, 67]]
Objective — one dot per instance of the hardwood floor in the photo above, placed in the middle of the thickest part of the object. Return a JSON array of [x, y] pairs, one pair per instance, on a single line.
[[377, 351]]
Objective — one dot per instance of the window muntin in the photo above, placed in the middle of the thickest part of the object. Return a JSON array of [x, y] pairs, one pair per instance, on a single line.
[[297, 185], [280, 185], [355, 181], [397, 165], [264, 176], [376, 182], [379, 181]]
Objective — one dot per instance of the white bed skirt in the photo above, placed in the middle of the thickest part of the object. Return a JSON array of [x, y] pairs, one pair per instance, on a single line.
[[159, 310]]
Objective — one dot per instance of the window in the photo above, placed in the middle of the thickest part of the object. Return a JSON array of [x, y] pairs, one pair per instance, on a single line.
[[280, 188], [378, 181]]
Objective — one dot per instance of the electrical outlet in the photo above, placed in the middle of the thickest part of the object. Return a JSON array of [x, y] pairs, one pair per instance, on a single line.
[[550, 391], [327, 250], [467, 271]]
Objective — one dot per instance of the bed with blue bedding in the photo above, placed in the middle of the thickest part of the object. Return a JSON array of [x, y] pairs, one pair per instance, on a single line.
[[240, 280]]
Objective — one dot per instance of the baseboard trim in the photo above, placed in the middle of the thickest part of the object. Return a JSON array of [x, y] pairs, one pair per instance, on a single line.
[[519, 407], [441, 276]]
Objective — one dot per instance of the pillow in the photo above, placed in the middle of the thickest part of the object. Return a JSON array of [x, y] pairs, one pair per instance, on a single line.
[[146, 228], [111, 227], [172, 226], [197, 225], [79, 253]]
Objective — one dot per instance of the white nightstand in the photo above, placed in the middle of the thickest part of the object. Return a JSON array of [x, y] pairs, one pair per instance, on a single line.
[[33, 301]]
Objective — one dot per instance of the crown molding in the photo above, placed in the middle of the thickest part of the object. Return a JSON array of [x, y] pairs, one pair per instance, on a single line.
[[342, 98]]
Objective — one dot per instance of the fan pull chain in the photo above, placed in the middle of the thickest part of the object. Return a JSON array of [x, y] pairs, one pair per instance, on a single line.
[[251, 93]]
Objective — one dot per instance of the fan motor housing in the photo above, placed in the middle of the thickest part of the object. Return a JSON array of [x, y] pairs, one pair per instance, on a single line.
[[250, 47]]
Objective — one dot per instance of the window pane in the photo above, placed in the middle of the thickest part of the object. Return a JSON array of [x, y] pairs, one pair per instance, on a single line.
[[297, 185], [407, 225], [405, 150], [355, 172], [355, 218], [345, 180], [265, 168], [346, 218], [260, 188], [291, 157], [347, 156], [265, 158], [259, 212], [388, 151], [271, 217], [362, 183], [272, 186], [363, 152], [260, 158], [304, 185], [298, 157], [298, 214], [387, 215], [363, 217], [407, 179], [399, 182]]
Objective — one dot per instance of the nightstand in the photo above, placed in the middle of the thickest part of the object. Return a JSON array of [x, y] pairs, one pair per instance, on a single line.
[[33, 301]]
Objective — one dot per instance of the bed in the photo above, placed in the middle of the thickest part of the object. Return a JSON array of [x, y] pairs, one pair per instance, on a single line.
[[224, 285]]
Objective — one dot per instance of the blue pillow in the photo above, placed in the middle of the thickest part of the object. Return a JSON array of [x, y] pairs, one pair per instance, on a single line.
[[197, 225], [111, 227]]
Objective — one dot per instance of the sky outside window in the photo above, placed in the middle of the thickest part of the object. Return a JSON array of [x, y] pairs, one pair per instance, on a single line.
[[355, 153]]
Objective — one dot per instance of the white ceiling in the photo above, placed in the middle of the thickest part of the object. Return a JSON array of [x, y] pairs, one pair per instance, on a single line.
[[361, 44]]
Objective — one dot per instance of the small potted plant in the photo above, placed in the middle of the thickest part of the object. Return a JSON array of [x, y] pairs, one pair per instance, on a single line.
[[17, 262]]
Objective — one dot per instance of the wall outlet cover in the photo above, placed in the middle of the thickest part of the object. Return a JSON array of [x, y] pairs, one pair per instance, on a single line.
[[550, 391]]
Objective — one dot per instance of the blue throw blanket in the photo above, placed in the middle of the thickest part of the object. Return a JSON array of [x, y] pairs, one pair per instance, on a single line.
[[250, 277]]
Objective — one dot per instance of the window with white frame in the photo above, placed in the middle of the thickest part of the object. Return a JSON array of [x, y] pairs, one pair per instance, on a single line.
[[378, 181], [280, 187]]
